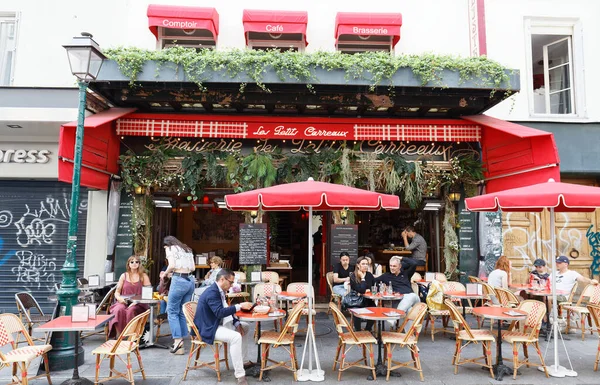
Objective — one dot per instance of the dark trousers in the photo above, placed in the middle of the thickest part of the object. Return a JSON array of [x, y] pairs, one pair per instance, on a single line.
[[409, 266], [357, 324]]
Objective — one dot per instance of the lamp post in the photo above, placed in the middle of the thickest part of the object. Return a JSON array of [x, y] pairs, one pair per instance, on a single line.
[[85, 59]]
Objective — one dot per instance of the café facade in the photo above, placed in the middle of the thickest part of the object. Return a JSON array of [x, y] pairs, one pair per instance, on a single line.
[[164, 109]]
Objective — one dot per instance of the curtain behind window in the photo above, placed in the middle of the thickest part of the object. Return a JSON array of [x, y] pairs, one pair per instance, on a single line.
[[7, 50]]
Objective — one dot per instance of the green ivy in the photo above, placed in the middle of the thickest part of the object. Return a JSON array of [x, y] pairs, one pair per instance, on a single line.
[[375, 67]]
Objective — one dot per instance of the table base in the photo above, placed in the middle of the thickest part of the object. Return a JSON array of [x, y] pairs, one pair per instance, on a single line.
[[381, 370], [501, 370], [254, 371], [558, 371], [78, 381]]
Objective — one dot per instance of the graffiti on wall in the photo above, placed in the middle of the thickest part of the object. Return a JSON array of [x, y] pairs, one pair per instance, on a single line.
[[593, 239], [35, 270], [524, 242]]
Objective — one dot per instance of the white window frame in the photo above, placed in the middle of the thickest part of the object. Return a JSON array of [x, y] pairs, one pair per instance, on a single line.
[[371, 46], [12, 16], [565, 27], [189, 42]]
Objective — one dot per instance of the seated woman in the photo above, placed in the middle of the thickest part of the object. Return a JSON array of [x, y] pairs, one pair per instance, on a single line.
[[374, 267], [360, 281], [341, 274], [130, 284], [216, 263], [499, 277]]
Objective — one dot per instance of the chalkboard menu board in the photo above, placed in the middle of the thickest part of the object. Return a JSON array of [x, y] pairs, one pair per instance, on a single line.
[[344, 238], [467, 238], [490, 238], [253, 243], [124, 242]]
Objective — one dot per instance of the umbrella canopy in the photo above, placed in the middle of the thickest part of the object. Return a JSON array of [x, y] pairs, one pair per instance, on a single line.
[[563, 197], [555, 196], [319, 196]]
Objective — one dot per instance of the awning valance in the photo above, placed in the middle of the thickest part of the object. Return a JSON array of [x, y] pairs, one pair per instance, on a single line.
[[368, 24], [275, 22], [515, 155], [184, 18], [100, 152]]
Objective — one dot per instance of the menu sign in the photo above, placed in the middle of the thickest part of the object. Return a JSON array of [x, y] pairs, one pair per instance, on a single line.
[[467, 238], [344, 238], [253, 243], [124, 242]]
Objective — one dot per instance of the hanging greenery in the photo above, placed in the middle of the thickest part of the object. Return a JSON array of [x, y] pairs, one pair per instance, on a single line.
[[451, 245], [376, 67], [391, 173]]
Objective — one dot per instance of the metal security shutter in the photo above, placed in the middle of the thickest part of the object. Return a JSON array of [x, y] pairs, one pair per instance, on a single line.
[[34, 223]]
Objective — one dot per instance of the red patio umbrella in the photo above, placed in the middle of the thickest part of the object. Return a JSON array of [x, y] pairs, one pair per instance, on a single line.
[[555, 196], [317, 196]]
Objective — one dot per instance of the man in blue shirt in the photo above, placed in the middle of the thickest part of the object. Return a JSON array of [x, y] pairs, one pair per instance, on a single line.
[[217, 321]]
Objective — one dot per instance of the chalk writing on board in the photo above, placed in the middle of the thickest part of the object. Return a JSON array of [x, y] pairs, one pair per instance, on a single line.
[[253, 243]]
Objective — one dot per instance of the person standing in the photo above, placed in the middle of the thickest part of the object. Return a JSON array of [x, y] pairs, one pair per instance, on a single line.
[[341, 274], [181, 265], [130, 284], [400, 284], [215, 320], [418, 249]]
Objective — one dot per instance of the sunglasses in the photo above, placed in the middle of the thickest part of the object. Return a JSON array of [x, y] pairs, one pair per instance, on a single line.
[[230, 281], [132, 262]]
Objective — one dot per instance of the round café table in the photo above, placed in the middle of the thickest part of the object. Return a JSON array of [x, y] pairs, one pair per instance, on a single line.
[[288, 296], [462, 294], [379, 297], [499, 314], [258, 318], [546, 294], [379, 314]]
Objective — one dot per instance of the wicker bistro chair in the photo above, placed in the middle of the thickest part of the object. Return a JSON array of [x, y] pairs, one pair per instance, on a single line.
[[270, 277], [435, 298], [303, 287], [589, 295], [22, 357], [25, 304], [348, 339], [594, 310], [506, 297], [283, 339], [266, 290], [406, 339], [473, 279], [102, 308], [189, 310], [526, 333], [244, 295], [465, 336], [127, 343], [335, 298]]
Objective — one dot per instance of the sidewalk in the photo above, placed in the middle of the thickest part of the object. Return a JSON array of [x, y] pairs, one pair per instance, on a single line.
[[165, 368]]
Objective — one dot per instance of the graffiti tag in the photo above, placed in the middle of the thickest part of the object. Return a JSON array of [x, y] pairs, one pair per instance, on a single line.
[[35, 270], [594, 241]]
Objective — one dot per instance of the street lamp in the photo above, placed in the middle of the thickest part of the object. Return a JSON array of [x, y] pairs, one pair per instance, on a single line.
[[85, 60]]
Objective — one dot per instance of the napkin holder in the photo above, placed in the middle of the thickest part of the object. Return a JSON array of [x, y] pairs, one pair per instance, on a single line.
[[474, 289], [80, 313], [147, 292], [93, 280]]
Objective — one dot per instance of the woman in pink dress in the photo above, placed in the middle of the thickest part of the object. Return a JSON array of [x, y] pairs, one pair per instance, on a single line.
[[130, 284]]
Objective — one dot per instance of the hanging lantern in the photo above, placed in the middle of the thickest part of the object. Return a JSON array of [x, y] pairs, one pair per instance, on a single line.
[[205, 200]]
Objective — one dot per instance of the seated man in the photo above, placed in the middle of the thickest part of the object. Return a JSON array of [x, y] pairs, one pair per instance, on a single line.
[[215, 320], [400, 284], [565, 278], [418, 249]]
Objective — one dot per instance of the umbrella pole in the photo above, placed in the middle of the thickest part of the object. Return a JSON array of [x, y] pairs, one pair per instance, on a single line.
[[310, 374], [556, 370]]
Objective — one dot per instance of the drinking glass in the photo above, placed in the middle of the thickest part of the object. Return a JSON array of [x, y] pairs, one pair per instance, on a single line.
[[374, 289]]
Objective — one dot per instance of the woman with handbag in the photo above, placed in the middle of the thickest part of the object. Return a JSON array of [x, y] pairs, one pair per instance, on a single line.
[[361, 281], [181, 265]]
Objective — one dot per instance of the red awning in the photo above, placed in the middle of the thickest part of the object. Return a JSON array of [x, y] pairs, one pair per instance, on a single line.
[[275, 22], [100, 149], [366, 24], [515, 155], [180, 17]]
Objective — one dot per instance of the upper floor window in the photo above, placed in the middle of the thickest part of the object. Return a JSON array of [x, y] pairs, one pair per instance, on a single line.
[[8, 45], [362, 32], [192, 27], [555, 70], [281, 30]]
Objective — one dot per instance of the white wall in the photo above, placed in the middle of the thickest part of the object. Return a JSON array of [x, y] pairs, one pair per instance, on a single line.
[[439, 26], [38, 166], [95, 234]]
